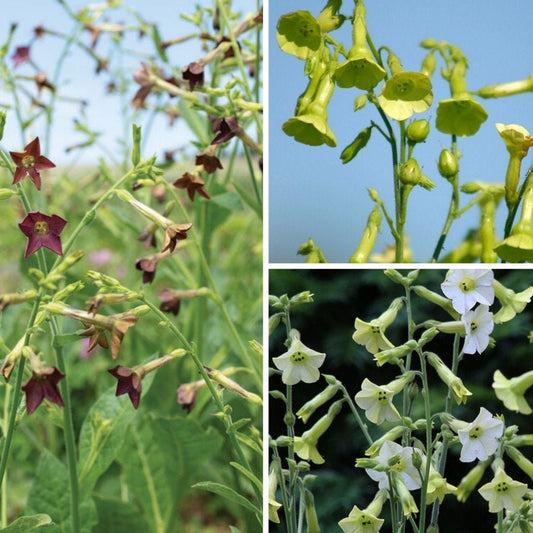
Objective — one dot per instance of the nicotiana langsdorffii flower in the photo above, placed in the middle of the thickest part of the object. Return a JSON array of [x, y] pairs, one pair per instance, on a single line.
[[42, 385], [306, 445], [376, 400], [478, 327], [30, 162], [503, 492], [372, 334], [511, 391], [400, 459], [298, 33], [480, 438], [466, 287], [42, 230], [299, 363], [366, 520]]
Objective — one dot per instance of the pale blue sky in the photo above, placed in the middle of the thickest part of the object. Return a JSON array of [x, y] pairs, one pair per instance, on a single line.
[[104, 113], [312, 194]]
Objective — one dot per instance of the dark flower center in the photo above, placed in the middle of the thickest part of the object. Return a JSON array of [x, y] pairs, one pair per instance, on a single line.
[[28, 161], [298, 357], [41, 228]]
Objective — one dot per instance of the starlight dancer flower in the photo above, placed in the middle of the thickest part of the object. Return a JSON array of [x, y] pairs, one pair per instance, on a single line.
[[305, 412], [512, 302], [42, 230], [30, 162], [467, 287], [455, 383], [503, 492], [480, 438], [366, 520], [372, 334], [478, 327], [299, 363], [42, 385], [511, 391], [377, 400]]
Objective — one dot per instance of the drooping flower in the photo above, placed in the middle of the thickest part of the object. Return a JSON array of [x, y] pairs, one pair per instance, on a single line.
[[174, 233], [455, 383], [30, 162], [21, 55], [478, 327], [471, 480], [503, 492], [186, 394], [42, 385], [42, 230], [480, 438], [377, 400], [226, 128], [192, 183], [273, 505], [466, 287], [298, 33], [366, 520], [194, 74], [314, 403], [512, 302], [511, 391], [209, 160], [516, 138], [299, 363], [402, 463], [372, 334]]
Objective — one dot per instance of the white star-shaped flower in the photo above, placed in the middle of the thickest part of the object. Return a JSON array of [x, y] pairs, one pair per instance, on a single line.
[[377, 402], [478, 324], [466, 287], [480, 437]]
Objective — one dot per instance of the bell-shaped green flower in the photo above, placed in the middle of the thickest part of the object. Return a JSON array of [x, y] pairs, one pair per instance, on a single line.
[[299, 34], [329, 18], [366, 520], [310, 124], [511, 391], [512, 302], [359, 70], [461, 114], [405, 92], [503, 492]]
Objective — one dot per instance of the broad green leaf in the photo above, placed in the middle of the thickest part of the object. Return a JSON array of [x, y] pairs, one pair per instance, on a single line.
[[157, 482], [119, 517], [27, 523], [50, 494], [227, 492]]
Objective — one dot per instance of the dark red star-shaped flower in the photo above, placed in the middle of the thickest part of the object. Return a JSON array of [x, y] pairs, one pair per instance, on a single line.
[[227, 128], [194, 74], [193, 183], [129, 381], [21, 55], [42, 230], [30, 162], [41, 385]]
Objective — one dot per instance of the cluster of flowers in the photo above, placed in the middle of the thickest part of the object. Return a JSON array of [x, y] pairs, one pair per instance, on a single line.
[[400, 469]]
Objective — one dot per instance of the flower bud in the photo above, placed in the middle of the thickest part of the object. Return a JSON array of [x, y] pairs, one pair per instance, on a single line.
[[273, 322], [418, 130], [410, 173], [5, 194], [448, 165], [136, 150], [356, 145], [360, 102]]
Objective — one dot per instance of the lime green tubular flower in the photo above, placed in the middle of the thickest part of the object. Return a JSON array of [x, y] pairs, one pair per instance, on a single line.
[[273, 505], [372, 334], [520, 460], [455, 384], [461, 114], [299, 34], [511, 391], [359, 70], [471, 480], [405, 92], [314, 403], [512, 302], [366, 520]]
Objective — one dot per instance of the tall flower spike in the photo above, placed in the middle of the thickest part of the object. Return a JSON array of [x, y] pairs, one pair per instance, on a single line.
[[405, 93], [461, 114], [511, 391], [299, 363], [42, 230], [466, 287], [480, 438], [372, 334], [30, 162], [503, 492], [359, 70], [518, 141], [309, 125]]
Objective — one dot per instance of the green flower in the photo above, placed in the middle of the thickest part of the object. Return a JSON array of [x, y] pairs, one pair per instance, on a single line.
[[365, 521], [503, 492], [299, 34], [405, 93], [511, 391], [455, 384], [512, 302], [359, 70]]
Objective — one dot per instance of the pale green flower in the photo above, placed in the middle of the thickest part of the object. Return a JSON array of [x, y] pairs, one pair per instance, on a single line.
[[503, 492], [365, 521], [459, 391], [511, 391], [512, 302]]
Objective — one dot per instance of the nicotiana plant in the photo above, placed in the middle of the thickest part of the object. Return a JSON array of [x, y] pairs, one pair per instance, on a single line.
[[186, 402], [414, 434], [377, 78]]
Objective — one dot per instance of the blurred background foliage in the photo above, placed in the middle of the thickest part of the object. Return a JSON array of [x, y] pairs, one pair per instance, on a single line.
[[327, 325]]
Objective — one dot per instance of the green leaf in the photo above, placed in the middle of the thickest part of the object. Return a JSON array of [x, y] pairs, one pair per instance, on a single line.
[[195, 120], [119, 517], [157, 40], [248, 474], [245, 439], [356, 145], [27, 523], [156, 482], [229, 493]]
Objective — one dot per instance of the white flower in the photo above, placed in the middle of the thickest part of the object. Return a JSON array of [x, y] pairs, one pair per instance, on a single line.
[[480, 437], [503, 492], [404, 465], [299, 363], [466, 287], [377, 402], [478, 324]]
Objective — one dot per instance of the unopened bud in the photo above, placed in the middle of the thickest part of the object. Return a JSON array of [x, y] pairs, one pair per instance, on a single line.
[[418, 130], [448, 165]]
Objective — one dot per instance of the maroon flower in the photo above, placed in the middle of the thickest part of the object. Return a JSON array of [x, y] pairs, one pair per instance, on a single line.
[[41, 385], [148, 266], [194, 74], [129, 381], [174, 233], [186, 394], [227, 128], [147, 236], [30, 162], [42, 82], [209, 160], [193, 183], [170, 301], [230, 52], [144, 77], [21, 55], [42, 230]]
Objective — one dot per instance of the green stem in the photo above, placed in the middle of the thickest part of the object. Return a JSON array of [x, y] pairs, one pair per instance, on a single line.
[[357, 416]]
